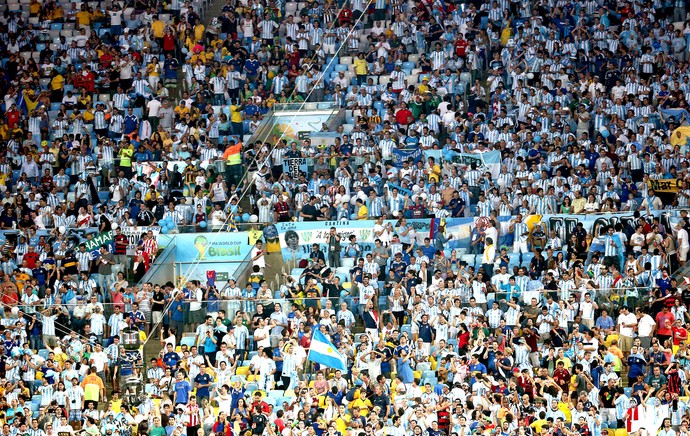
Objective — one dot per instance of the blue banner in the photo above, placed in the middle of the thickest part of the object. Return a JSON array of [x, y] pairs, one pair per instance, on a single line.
[[400, 156], [208, 247]]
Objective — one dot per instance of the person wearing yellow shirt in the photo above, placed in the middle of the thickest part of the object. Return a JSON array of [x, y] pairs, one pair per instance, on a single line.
[[84, 17], [236, 119], [424, 87], [34, 8], [363, 404], [434, 170], [361, 68], [181, 110], [58, 13], [157, 29], [539, 423], [579, 202], [57, 85], [199, 30], [88, 114], [154, 73], [362, 211], [125, 154]]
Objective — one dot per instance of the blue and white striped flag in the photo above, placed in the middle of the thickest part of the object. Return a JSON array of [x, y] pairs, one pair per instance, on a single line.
[[323, 352]]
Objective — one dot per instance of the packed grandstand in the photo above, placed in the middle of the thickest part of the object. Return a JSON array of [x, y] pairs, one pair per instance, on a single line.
[[487, 234]]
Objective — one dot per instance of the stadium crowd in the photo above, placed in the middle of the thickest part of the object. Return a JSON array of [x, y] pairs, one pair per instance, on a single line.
[[115, 114]]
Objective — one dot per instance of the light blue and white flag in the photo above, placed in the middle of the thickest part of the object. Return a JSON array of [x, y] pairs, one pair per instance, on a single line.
[[489, 161], [323, 352]]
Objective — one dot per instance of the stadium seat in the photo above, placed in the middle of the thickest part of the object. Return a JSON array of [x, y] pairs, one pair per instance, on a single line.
[[470, 259], [428, 374], [188, 341], [423, 366], [432, 381]]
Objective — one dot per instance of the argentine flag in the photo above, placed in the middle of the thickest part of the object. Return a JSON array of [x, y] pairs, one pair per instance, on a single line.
[[323, 352]]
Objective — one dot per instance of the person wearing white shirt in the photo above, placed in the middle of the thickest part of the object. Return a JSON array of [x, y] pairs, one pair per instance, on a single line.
[[100, 360], [626, 325], [645, 328]]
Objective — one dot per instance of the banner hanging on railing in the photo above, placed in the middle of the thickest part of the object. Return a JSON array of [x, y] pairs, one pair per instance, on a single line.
[[208, 247], [135, 234], [400, 156], [297, 238], [489, 161], [93, 245]]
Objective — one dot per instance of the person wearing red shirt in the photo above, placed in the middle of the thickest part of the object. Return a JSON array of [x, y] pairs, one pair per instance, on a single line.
[[13, 116], [31, 257], [404, 116], [664, 324], [345, 15], [168, 42], [561, 375], [9, 295], [305, 342], [680, 334], [461, 47]]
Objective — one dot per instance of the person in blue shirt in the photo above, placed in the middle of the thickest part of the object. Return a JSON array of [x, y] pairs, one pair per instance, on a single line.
[[426, 333], [428, 249], [357, 271], [251, 67], [182, 390], [171, 358], [605, 322], [636, 363], [398, 266], [476, 365], [142, 155], [202, 382], [345, 148], [177, 314]]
